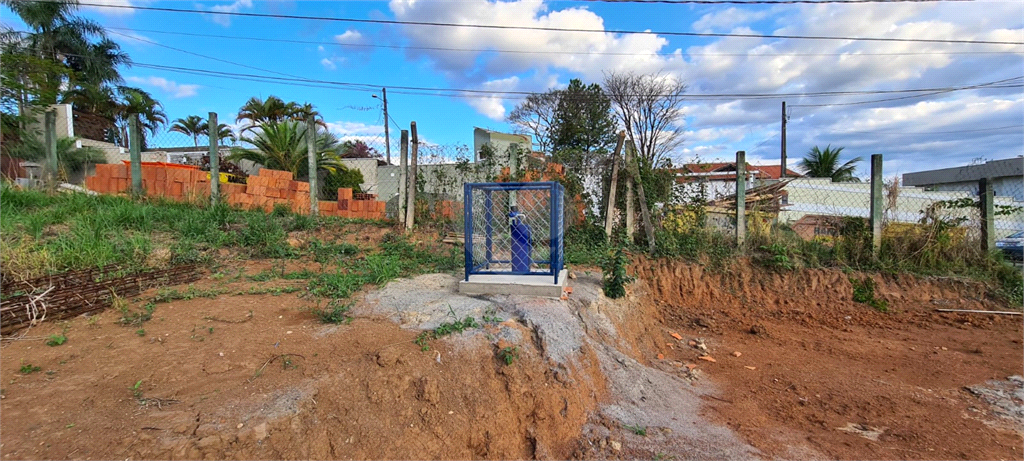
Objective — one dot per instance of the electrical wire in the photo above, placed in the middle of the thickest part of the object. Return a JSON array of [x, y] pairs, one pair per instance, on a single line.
[[545, 29], [994, 84], [510, 51]]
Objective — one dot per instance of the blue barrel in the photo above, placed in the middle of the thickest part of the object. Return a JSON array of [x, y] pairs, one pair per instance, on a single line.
[[521, 242]]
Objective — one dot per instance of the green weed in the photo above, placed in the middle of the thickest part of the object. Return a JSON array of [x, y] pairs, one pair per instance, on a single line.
[[445, 329], [637, 429], [508, 354], [29, 368], [615, 277], [334, 313], [864, 292]]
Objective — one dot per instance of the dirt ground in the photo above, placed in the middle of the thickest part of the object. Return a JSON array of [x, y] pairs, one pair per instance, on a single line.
[[799, 371]]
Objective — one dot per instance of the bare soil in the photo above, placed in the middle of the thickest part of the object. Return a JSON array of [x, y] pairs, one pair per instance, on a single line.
[[258, 377]]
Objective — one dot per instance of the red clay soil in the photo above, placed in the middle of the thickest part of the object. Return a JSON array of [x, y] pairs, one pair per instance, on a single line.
[[257, 377], [796, 360]]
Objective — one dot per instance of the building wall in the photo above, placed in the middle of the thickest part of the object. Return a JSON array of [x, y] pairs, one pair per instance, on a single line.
[[500, 142], [368, 167]]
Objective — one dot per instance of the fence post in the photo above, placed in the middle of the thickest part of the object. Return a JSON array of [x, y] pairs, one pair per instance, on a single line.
[[410, 205], [634, 167], [135, 153], [610, 214], [314, 193], [214, 133], [741, 198], [876, 204], [630, 211], [50, 138], [402, 174], [987, 204]]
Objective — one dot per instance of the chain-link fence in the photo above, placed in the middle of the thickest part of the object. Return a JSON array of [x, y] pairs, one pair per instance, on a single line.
[[514, 228]]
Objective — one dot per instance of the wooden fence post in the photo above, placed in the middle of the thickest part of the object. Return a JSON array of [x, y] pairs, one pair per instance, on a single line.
[[987, 203], [214, 132], [314, 192], [876, 204], [135, 153], [610, 213], [410, 209], [402, 174], [741, 199]]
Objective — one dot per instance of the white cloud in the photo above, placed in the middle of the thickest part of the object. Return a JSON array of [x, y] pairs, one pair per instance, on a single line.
[[171, 88], [493, 106], [328, 64], [111, 11], [346, 129], [225, 20], [727, 19], [349, 37]]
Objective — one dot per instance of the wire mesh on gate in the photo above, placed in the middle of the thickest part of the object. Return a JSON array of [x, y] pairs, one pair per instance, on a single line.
[[514, 228]]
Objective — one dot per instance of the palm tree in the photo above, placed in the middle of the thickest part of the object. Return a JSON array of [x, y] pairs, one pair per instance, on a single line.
[[274, 110], [135, 101], [223, 131], [193, 126], [825, 164], [282, 146]]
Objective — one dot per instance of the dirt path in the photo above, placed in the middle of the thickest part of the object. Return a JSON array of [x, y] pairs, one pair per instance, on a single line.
[[257, 377]]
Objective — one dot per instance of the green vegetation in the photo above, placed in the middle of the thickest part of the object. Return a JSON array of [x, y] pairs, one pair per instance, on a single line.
[[29, 368], [636, 429], [508, 354], [864, 292], [335, 313], [615, 278], [56, 340], [445, 329]]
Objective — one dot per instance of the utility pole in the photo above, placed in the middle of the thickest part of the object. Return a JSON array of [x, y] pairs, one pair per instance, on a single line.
[[387, 135], [783, 173]]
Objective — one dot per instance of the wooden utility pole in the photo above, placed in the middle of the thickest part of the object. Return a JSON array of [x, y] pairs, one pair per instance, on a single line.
[[610, 213], [783, 173], [387, 134]]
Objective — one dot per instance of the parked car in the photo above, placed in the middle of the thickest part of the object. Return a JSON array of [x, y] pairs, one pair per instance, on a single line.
[[1012, 246]]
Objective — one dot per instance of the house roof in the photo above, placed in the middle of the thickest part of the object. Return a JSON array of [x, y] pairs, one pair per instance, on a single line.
[[1013, 167], [727, 171]]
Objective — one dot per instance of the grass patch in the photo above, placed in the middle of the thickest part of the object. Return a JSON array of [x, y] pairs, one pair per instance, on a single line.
[[864, 292], [335, 313], [28, 368], [56, 340], [445, 329], [508, 354]]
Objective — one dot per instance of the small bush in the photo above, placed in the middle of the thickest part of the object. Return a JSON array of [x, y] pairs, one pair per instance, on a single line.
[[29, 368], [56, 340], [615, 278], [508, 354], [335, 313], [864, 292]]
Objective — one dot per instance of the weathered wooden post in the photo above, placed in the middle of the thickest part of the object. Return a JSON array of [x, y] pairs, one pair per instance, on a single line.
[[314, 192], [741, 199], [610, 213], [135, 153], [214, 134], [50, 138], [876, 204], [410, 206], [402, 175], [987, 204]]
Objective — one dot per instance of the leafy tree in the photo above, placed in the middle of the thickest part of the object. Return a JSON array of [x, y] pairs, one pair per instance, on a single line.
[[357, 149], [535, 116], [282, 146], [274, 110], [650, 108], [341, 177], [193, 126], [825, 164], [135, 101], [583, 121]]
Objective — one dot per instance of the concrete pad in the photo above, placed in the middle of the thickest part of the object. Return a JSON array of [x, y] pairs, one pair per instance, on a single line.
[[527, 285]]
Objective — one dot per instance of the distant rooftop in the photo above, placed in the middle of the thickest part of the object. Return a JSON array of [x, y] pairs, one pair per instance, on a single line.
[[1011, 167]]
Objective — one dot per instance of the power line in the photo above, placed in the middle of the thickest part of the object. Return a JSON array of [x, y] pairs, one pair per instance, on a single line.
[[763, 2], [546, 29], [510, 51], [994, 84], [1007, 127]]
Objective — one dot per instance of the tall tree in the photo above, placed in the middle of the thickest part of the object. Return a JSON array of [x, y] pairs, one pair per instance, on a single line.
[[825, 164], [275, 110], [650, 108], [357, 149], [583, 123], [193, 126], [535, 116], [282, 146]]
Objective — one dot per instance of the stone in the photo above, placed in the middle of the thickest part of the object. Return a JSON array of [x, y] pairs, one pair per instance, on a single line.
[[707, 358], [616, 445], [737, 354]]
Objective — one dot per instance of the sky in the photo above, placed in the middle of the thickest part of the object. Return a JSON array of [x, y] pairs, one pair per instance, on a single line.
[[736, 85]]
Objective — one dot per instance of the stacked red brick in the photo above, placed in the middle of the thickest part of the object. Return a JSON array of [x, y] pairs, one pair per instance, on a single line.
[[264, 190]]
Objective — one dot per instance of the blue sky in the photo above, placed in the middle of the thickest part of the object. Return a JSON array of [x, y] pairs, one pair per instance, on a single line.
[[939, 130]]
